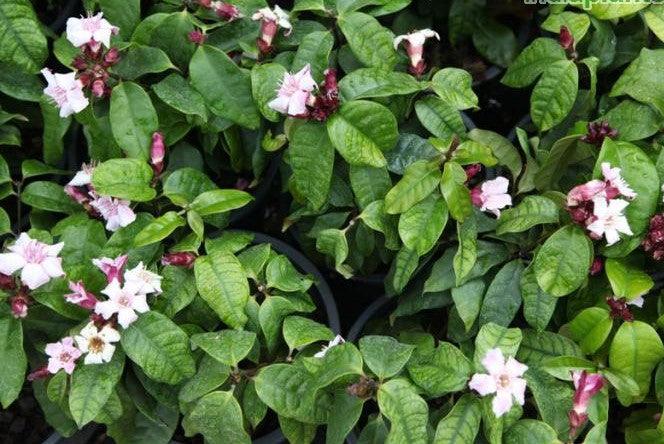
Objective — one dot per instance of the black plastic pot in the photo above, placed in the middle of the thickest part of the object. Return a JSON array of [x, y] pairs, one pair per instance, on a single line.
[[261, 193], [69, 9]]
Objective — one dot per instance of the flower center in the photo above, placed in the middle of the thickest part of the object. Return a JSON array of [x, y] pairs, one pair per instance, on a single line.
[[504, 381], [34, 253], [65, 357], [124, 300], [95, 344]]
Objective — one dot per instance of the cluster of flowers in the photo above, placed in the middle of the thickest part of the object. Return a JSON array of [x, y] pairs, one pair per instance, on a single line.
[[92, 64], [597, 206], [126, 293], [504, 378]]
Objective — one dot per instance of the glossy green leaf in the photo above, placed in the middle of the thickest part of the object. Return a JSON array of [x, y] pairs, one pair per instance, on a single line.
[[133, 119], [554, 94], [384, 355], [159, 229]]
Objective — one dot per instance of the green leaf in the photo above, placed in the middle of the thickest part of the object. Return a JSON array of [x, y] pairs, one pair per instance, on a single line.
[[403, 267], [300, 332], [222, 283], [538, 305], [635, 350], [495, 41], [532, 62], [183, 185], [454, 86], [577, 23], [410, 148], [159, 229], [554, 94], [139, 60], [220, 201], [310, 145], [91, 386], [470, 152], [333, 243], [48, 196], [274, 309], [133, 119], [125, 14], [604, 11], [55, 127], [537, 348], [633, 120], [533, 210], [527, 431], [361, 131], [407, 411], [369, 184], [457, 195], [639, 80], [561, 264], [503, 297], [654, 18], [225, 87], [159, 347], [16, 82], [170, 34], [503, 150], [468, 301], [21, 39], [421, 226], [627, 281], [439, 117], [227, 346], [178, 93], [314, 50], [281, 274], [218, 417], [5, 224], [125, 179], [13, 356], [297, 431], [265, 81], [369, 40], [210, 375], [344, 414], [179, 290], [494, 336], [556, 162], [376, 82], [638, 171], [553, 399], [384, 355], [466, 254], [461, 424], [439, 371], [419, 180]]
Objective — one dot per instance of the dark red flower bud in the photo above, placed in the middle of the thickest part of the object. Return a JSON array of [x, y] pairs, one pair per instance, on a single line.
[[79, 63], [98, 88], [40, 373], [112, 57], [597, 266], [196, 36], [327, 101], [653, 243], [98, 320], [476, 196], [7, 282], [19, 303], [227, 11], [86, 78], [619, 309], [598, 131], [566, 39], [184, 259], [205, 3], [582, 214], [241, 184], [472, 171]]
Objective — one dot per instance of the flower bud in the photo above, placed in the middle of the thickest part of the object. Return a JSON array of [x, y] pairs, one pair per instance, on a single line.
[[19, 304], [7, 282], [586, 386], [157, 152], [472, 171], [184, 259], [619, 309], [79, 63], [205, 3], [112, 57], [566, 39], [597, 132], [226, 11], [40, 373], [196, 36], [653, 243], [596, 267], [98, 88]]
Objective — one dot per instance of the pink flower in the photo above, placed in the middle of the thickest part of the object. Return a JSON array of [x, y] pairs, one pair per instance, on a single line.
[[143, 280], [125, 301], [96, 343], [184, 259], [609, 220], [504, 379], [157, 153], [226, 11], [39, 261], [92, 30], [112, 268], [271, 20], [586, 386], [585, 192], [492, 195], [66, 91], [81, 296], [295, 93], [616, 185], [414, 43], [116, 212], [63, 355]]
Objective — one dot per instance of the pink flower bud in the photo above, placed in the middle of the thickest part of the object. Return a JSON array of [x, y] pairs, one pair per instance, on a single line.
[[7, 282], [184, 259], [157, 153], [596, 267], [112, 57], [586, 386], [205, 3], [98, 88], [268, 31], [196, 36], [226, 11], [81, 296], [40, 373], [566, 39], [653, 243], [19, 304], [472, 171], [79, 63]]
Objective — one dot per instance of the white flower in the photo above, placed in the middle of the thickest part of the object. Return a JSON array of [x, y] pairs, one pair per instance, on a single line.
[[278, 15], [610, 219], [39, 261], [294, 93], [62, 355], [615, 180], [66, 91], [143, 279], [125, 301], [92, 29], [83, 177], [98, 344], [504, 379], [492, 195], [415, 44], [333, 343], [116, 212]]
